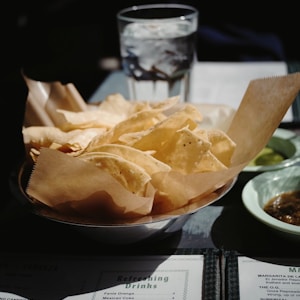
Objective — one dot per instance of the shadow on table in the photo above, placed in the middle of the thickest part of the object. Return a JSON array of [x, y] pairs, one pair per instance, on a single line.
[[42, 259], [235, 229]]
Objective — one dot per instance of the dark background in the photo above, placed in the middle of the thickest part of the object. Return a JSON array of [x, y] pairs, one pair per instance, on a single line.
[[66, 40]]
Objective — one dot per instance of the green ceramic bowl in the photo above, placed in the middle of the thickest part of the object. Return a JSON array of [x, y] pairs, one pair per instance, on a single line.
[[285, 142]]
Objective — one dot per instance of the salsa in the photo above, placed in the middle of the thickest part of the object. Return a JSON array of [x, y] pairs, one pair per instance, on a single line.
[[267, 156], [285, 207]]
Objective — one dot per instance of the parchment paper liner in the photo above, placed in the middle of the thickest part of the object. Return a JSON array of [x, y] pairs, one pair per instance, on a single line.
[[262, 108], [44, 97]]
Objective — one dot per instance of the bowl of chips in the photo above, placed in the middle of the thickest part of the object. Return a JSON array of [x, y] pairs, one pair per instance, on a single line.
[[124, 171]]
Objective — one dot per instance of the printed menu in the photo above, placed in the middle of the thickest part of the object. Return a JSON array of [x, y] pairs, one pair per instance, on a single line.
[[209, 274], [175, 277], [265, 281]]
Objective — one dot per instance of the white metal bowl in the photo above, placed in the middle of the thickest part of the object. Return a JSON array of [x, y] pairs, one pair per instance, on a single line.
[[118, 232], [263, 187]]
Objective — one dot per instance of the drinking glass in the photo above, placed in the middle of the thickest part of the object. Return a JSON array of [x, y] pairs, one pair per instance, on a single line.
[[158, 49]]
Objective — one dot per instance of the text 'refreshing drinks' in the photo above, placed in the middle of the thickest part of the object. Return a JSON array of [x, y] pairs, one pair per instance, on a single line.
[[157, 59]]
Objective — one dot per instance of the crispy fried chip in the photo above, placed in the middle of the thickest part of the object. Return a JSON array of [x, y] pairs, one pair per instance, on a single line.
[[222, 146], [155, 137], [71, 142], [184, 150], [116, 104], [88, 119], [142, 158], [165, 104], [137, 122], [132, 176], [141, 120]]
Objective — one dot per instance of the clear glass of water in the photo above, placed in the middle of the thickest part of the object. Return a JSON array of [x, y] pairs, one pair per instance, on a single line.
[[158, 50]]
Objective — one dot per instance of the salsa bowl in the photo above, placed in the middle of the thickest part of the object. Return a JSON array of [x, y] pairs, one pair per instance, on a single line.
[[265, 187]]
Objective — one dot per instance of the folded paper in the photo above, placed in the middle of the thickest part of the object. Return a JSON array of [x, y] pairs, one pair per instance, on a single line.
[[66, 184]]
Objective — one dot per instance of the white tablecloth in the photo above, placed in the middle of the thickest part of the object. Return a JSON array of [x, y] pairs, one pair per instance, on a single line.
[[211, 82]]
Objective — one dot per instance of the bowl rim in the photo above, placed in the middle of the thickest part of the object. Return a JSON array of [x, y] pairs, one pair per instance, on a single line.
[[290, 137], [251, 201], [21, 174]]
